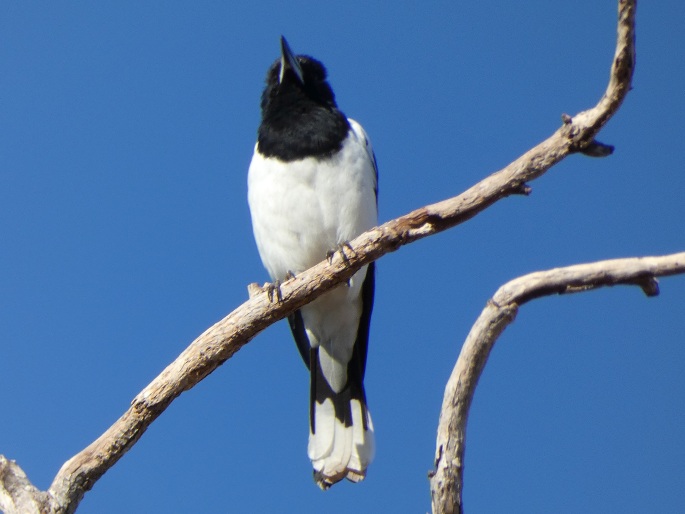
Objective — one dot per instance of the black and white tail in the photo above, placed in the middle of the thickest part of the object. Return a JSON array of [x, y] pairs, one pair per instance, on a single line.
[[341, 438]]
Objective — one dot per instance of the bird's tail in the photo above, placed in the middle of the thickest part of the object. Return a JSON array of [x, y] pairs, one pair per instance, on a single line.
[[341, 439]]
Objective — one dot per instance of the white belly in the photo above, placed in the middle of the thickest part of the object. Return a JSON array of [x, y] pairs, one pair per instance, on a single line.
[[302, 209]]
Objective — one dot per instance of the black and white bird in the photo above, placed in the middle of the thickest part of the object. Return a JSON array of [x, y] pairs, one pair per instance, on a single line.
[[312, 187]]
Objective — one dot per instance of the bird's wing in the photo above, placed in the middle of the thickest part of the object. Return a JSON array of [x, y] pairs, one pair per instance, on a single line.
[[361, 133]]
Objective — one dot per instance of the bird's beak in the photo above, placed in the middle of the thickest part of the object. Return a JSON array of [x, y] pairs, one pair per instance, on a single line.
[[289, 61]]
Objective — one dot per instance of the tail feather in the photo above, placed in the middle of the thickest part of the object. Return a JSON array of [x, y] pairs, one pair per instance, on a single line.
[[338, 451], [363, 443], [341, 439]]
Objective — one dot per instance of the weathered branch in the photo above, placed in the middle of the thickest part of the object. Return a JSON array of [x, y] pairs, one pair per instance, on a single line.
[[17, 494], [447, 478], [221, 341]]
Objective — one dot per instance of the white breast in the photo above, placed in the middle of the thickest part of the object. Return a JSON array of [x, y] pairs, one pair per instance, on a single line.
[[302, 209]]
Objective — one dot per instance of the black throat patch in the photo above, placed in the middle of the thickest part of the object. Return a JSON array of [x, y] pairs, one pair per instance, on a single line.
[[300, 119]]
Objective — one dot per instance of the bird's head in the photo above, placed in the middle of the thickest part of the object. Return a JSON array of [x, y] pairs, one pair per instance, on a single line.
[[297, 78]]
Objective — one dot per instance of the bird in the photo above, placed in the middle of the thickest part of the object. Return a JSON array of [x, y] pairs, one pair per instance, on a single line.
[[313, 187]]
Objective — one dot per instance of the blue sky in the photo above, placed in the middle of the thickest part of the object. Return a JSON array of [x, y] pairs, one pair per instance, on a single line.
[[125, 138]]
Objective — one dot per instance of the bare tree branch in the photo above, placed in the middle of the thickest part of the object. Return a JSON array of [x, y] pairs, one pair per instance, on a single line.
[[17, 494], [221, 341], [500, 311]]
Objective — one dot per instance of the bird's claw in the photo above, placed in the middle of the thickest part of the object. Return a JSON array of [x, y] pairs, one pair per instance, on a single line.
[[273, 291], [342, 248]]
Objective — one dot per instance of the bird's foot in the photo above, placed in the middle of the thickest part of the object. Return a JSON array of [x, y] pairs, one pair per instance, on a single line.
[[273, 291], [343, 249], [346, 251]]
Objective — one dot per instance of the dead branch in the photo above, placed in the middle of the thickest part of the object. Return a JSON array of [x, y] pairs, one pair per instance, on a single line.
[[500, 311], [221, 341], [17, 493]]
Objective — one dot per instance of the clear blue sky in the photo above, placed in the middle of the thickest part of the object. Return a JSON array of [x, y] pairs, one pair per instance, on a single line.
[[126, 131]]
